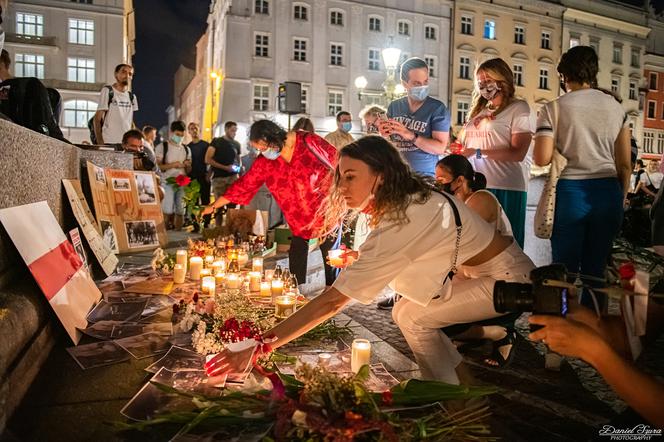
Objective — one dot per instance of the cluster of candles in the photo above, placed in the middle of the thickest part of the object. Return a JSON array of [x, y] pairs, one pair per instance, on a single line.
[[276, 284]]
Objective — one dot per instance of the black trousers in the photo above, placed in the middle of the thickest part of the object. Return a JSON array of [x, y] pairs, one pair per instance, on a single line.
[[205, 196], [299, 253]]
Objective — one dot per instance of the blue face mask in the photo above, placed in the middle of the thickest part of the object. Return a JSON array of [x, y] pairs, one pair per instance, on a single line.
[[419, 93], [346, 126], [176, 139], [271, 154]]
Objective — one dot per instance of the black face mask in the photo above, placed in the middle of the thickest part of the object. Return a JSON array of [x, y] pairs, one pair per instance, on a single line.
[[447, 187]]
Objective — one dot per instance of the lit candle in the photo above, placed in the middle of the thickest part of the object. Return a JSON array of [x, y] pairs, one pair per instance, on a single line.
[[181, 258], [219, 277], [218, 266], [179, 272], [242, 258], [209, 259], [284, 306], [208, 286], [360, 354], [269, 273], [233, 281], [254, 281], [266, 289], [195, 267], [277, 288], [257, 265], [324, 359], [206, 272], [335, 258]]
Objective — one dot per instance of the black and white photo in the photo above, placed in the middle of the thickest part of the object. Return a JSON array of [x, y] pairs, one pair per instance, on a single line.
[[121, 184], [98, 354], [141, 233], [145, 188], [145, 345], [108, 235]]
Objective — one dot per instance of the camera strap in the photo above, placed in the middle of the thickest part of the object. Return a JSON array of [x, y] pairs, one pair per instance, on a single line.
[[457, 244]]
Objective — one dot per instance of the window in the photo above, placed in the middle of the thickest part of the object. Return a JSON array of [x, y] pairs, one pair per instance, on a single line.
[[336, 54], [617, 53], [430, 32], [490, 29], [466, 25], [261, 97], [299, 50], [337, 18], [545, 40], [261, 48], [77, 113], [431, 61], [262, 7], [520, 35], [29, 24], [574, 41], [648, 138], [632, 90], [335, 101], [652, 109], [518, 74], [462, 112], [660, 143], [29, 65], [81, 70], [543, 78], [304, 99], [300, 12], [81, 32], [464, 68], [403, 28], [615, 85], [594, 43], [636, 55], [375, 24], [652, 84], [374, 60]]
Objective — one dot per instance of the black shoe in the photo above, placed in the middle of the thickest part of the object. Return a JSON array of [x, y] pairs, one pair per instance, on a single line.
[[387, 303]]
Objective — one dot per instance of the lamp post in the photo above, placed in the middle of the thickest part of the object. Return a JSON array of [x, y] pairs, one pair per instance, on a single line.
[[391, 87]]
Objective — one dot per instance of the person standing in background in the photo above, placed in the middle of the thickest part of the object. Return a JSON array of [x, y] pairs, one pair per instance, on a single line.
[[198, 149], [305, 124], [497, 137], [418, 124], [340, 137], [223, 155], [115, 111], [174, 159]]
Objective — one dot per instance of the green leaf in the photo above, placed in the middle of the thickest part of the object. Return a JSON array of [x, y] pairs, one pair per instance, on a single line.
[[415, 392]]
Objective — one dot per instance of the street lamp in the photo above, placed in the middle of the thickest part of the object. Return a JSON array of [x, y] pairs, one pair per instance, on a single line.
[[391, 88]]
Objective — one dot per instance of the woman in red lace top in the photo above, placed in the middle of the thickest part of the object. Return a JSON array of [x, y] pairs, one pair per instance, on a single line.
[[297, 168]]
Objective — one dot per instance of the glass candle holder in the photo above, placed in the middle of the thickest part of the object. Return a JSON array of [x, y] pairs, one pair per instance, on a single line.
[[335, 257], [242, 258], [233, 281], [218, 266], [254, 281], [220, 277], [179, 272], [266, 289], [257, 265], [195, 267], [269, 274], [360, 354], [209, 259], [277, 288], [206, 272], [284, 306], [209, 285]]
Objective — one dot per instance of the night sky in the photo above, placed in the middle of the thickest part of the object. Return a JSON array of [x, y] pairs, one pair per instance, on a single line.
[[166, 36]]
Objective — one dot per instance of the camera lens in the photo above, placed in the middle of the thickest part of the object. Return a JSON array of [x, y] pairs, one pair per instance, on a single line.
[[512, 297]]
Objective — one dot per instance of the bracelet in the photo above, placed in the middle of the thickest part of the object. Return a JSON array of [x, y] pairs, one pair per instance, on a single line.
[[415, 137]]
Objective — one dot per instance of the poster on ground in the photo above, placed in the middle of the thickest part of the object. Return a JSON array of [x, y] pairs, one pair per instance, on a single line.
[[102, 247], [53, 262], [128, 209]]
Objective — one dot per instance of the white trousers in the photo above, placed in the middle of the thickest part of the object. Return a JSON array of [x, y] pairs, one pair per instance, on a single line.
[[472, 300]]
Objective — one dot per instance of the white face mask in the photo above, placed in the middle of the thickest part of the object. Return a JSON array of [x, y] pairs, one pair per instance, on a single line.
[[365, 203]]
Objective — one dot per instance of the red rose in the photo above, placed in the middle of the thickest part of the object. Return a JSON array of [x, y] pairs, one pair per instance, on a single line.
[[182, 180], [627, 271], [387, 397]]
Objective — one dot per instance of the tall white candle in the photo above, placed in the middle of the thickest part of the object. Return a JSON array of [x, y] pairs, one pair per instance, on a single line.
[[179, 272], [360, 354], [257, 265], [195, 267], [181, 258], [254, 281]]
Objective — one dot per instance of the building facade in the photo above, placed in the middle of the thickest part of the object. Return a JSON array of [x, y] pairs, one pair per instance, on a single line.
[[653, 121], [526, 35], [72, 46], [193, 95]]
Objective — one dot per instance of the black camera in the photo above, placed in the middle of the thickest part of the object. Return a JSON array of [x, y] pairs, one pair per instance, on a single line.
[[534, 297]]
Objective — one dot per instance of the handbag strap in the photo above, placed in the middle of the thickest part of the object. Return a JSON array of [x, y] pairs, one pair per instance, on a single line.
[[457, 243]]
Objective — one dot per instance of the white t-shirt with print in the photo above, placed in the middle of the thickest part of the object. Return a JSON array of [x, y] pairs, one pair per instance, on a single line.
[[119, 116], [487, 132], [176, 152], [654, 178], [415, 258]]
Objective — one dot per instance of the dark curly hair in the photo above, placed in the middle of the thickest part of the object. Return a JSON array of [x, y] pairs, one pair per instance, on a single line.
[[579, 64], [268, 131], [458, 165]]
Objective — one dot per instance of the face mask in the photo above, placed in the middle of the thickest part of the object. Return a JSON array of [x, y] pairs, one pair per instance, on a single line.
[[346, 126], [419, 93], [489, 90], [271, 154], [176, 139], [447, 187], [365, 203], [372, 129]]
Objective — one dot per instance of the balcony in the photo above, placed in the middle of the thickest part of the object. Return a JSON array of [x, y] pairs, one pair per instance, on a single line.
[[31, 40], [72, 85]]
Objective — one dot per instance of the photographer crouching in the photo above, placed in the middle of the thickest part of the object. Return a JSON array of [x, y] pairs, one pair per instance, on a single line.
[[576, 331], [144, 158]]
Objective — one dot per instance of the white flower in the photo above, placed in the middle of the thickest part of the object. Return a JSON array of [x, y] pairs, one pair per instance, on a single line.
[[299, 418]]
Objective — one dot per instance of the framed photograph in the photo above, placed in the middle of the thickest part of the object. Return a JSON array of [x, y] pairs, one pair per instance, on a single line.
[[141, 234], [121, 184], [98, 354], [108, 235], [145, 188]]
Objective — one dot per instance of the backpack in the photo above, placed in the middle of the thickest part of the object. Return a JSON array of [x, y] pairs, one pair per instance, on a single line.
[[91, 121], [186, 157], [28, 104]]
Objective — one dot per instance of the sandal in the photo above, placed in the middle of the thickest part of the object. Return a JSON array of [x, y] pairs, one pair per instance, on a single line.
[[497, 358]]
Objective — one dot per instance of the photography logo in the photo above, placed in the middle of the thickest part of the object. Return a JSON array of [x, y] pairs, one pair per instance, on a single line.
[[639, 432]]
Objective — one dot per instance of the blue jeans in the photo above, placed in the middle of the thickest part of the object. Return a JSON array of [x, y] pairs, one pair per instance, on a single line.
[[588, 217]]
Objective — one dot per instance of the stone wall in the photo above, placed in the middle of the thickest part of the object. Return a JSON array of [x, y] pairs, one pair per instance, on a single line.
[[31, 169]]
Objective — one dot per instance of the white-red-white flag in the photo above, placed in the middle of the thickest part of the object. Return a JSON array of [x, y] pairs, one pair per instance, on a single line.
[[53, 262]]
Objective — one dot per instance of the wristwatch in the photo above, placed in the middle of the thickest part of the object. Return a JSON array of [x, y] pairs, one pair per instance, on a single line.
[[478, 154]]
